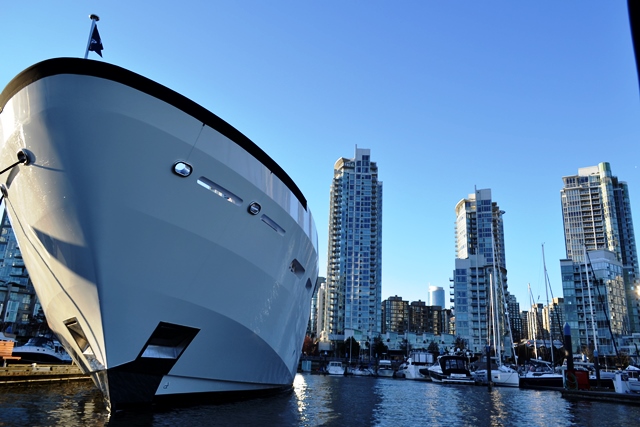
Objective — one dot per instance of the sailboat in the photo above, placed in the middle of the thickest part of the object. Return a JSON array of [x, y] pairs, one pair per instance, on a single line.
[[540, 373], [500, 374]]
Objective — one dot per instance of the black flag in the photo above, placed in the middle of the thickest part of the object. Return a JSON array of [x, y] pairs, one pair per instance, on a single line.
[[96, 43]]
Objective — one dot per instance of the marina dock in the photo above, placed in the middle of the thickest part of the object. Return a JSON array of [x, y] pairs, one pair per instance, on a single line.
[[24, 374], [602, 396]]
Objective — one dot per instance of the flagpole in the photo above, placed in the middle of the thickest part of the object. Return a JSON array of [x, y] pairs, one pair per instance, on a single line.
[[94, 19]]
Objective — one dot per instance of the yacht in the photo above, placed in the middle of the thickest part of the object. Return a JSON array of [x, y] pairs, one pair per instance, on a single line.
[[335, 368], [42, 350], [540, 373], [415, 367], [627, 381], [451, 369], [172, 256], [501, 373], [385, 369]]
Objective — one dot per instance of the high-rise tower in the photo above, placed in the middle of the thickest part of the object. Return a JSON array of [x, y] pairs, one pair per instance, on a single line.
[[596, 212], [436, 296], [353, 289], [480, 277]]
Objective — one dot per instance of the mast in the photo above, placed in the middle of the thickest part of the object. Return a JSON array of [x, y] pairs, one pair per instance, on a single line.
[[535, 329], [593, 320], [605, 305], [506, 311], [557, 312], [491, 331], [494, 307], [94, 19], [494, 298], [546, 288], [475, 190]]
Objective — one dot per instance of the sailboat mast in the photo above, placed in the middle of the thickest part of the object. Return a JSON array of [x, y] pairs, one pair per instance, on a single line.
[[550, 325], [477, 249], [497, 325], [593, 320], [494, 313], [535, 329], [492, 330]]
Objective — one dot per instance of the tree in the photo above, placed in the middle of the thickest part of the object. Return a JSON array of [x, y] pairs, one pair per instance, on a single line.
[[379, 347], [308, 346], [352, 347], [433, 348], [460, 343]]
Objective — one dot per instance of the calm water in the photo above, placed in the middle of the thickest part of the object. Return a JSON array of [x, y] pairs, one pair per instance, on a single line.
[[324, 401]]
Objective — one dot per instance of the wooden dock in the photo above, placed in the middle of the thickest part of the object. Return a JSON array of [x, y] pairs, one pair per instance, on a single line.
[[25, 374], [602, 396]]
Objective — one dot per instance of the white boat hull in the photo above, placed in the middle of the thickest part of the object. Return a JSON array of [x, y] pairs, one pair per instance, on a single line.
[[385, 369], [385, 373], [155, 283], [501, 376], [412, 372], [625, 382], [335, 368]]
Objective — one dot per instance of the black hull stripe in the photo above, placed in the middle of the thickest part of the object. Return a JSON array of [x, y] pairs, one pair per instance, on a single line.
[[87, 67]]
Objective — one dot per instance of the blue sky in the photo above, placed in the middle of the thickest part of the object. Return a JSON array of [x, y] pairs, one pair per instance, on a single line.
[[448, 95]]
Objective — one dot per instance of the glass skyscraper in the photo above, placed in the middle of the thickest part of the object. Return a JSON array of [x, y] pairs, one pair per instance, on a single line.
[[594, 301], [480, 262], [596, 212], [353, 288]]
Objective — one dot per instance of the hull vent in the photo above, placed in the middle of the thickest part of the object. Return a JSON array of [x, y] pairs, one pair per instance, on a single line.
[[78, 335], [135, 383], [168, 341]]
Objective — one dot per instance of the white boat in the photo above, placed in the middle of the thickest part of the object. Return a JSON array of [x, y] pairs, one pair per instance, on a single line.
[[335, 368], [627, 381], [415, 366], [451, 369], [361, 371], [540, 373], [42, 350], [501, 375], [385, 369], [171, 255]]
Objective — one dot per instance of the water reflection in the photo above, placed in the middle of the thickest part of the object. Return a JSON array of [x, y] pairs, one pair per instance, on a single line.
[[316, 400], [65, 403]]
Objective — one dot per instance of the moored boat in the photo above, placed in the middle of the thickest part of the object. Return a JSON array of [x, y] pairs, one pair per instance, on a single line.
[[171, 255], [501, 375], [335, 368], [385, 369], [540, 373], [451, 369], [627, 381], [42, 350], [415, 366], [361, 371]]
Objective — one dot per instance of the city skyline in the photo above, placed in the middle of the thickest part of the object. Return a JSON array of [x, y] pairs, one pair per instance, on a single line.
[[510, 96]]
